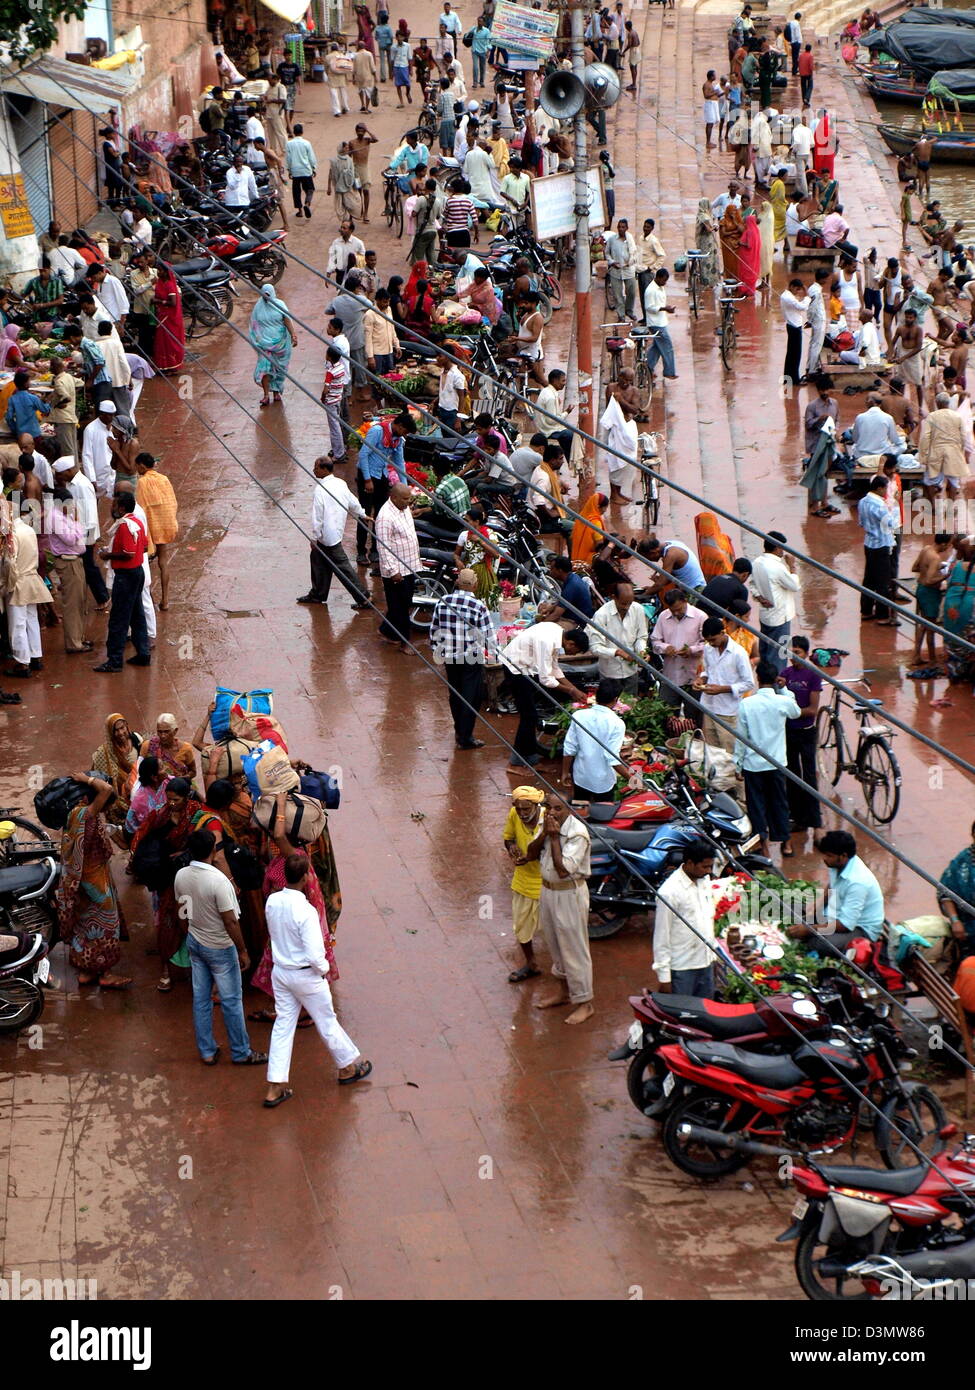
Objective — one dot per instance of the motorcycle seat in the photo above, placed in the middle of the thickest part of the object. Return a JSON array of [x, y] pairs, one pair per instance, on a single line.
[[20, 879], [777, 1072], [623, 839], [193, 267], [206, 279], [899, 1183], [721, 1020], [249, 243]]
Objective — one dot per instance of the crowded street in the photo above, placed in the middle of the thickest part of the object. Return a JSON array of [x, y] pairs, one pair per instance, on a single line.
[[475, 1148]]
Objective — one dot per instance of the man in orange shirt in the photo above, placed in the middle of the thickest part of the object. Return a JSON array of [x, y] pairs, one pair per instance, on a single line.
[[154, 494], [806, 65]]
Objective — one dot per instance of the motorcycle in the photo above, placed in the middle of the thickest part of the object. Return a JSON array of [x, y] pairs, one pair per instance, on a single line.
[[722, 1100], [24, 970], [924, 1274], [846, 1215], [208, 294], [259, 259]]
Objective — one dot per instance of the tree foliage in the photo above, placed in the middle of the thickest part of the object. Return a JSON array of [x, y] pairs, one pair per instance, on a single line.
[[31, 26]]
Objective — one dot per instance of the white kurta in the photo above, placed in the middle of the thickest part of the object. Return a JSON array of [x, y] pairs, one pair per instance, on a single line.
[[96, 458], [622, 436]]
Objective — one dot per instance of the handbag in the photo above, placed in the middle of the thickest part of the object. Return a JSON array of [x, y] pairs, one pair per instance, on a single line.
[[56, 800], [153, 864], [374, 96], [246, 869], [468, 38], [304, 817], [322, 787]]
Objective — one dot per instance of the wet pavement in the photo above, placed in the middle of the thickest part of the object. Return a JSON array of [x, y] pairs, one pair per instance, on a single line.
[[494, 1153]]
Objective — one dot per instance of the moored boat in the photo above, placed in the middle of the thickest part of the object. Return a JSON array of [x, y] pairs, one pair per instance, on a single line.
[[947, 147]]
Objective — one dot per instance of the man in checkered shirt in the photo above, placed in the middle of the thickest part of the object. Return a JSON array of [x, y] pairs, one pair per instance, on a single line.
[[462, 639]]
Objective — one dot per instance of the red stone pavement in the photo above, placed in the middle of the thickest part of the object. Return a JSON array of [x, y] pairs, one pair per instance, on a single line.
[[494, 1153]]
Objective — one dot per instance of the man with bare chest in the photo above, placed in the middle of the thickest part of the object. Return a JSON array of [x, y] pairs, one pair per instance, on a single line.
[[625, 391], [930, 567], [899, 408], [907, 343], [942, 292]]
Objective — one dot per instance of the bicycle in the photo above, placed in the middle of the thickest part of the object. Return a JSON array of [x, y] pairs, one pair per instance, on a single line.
[[615, 347], [649, 458], [694, 286], [393, 201], [726, 331], [873, 765]]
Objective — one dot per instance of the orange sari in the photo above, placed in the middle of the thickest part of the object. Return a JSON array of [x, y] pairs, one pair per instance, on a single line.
[[714, 548], [585, 539]]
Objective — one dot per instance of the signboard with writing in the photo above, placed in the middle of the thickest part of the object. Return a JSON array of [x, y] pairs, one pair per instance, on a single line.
[[531, 33], [14, 208], [553, 204]]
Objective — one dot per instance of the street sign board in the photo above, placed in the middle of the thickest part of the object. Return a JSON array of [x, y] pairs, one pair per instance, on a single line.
[[529, 33], [553, 204]]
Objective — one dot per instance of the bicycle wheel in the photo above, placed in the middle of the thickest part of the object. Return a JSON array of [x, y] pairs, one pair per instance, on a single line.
[[644, 385], [27, 836], [389, 206], [692, 288], [544, 306], [828, 747], [553, 289], [397, 222], [880, 777], [651, 503], [729, 341]]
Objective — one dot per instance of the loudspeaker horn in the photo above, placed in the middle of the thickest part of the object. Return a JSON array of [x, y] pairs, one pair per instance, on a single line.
[[602, 84], [562, 95]]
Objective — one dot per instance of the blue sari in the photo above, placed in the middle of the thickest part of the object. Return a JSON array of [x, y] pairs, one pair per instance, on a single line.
[[269, 334], [958, 608], [959, 877]]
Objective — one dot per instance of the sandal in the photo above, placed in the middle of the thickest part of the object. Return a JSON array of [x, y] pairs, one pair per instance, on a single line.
[[164, 985], [525, 973], [362, 1070], [115, 981], [87, 979], [265, 401], [261, 1016], [278, 1100]]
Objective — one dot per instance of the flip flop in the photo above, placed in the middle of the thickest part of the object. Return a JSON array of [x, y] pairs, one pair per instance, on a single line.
[[525, 973], [120, 982], [261, 1016], [278, 1100], [362, 1070]]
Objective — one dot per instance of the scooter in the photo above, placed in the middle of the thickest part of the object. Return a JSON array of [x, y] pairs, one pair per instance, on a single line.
[[24, 969]]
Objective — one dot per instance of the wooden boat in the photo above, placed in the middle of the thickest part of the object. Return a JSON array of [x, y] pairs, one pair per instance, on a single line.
[[896, 88], [948, 147]]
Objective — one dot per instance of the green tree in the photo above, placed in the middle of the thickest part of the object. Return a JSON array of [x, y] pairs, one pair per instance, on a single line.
[[32, 25]]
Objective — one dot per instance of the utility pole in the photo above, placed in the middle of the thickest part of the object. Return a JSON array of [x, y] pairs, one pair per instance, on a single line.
[[583, 310]]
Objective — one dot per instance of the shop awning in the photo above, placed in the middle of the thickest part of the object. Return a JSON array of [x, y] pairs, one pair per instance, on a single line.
[[291, 10], [58, 83]]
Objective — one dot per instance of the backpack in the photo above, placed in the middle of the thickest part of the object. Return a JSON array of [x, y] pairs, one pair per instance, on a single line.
[[56, 800], [153, 864], [468, 38], [322, 787], [245, 868]]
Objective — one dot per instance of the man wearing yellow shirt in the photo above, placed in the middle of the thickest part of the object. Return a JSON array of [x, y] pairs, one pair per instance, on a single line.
[[521, 827]]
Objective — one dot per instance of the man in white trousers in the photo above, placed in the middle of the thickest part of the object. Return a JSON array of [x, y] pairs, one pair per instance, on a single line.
[[299, 979]]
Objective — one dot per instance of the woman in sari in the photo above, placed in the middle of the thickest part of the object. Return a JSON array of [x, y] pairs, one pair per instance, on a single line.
[[706, 241], [778, 197], [766, 229], [173, 824], [419, 310], [731, 228], [175, 757], [169, 344], [584, 539], [322, 891], [366, 25], [227, 812], [12, 358], [959, 603], [959, 877], [116, 759], [88, 908], [749, 248], [148, 794], [273, 335]]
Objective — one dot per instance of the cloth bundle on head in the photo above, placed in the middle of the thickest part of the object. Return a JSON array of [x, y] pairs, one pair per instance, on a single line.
[[528, 794]]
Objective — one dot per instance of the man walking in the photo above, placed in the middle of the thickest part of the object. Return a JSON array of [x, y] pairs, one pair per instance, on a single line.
[[68, 474], [618, 630], [562, 848], [65, 535], [399, 563], [775, 587], [208, 902], [331, 507], [726, 675], [591, 752], [683, 928], [127, 552], [795, 310], [300, 161], [655, 311], [462, 639], [299, 977], [806, 66], [793, 37], [875, 517], [334, 387], [762, 720], [25, 591], [380, 450]]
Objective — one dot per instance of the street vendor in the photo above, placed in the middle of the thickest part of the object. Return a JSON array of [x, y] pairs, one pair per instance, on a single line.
[[854, 902]]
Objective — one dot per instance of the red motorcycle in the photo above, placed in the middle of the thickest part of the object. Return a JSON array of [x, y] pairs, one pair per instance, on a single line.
[[259, 259], [762, 1027], [845, 1214], [724, 1100]]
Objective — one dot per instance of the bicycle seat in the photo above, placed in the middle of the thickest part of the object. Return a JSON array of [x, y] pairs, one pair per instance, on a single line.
[[640, 332], [866, 706], [694, 255]]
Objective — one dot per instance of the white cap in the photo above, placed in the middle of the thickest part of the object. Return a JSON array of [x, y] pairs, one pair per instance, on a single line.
[[62, 464], [473, 106], [106, 407]]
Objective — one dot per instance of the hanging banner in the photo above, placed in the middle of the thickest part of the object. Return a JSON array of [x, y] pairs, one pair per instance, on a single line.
[[530, 32], [14, 207]]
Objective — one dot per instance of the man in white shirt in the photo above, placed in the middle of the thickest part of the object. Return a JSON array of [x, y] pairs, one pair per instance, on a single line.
[[254, 130], [399, 563], [775, 587], [481, 172], [96, 453], [70, 264], [450, 20], [562, 849], [621, 253], [802, 144], [655, 311], [617, 629], [515, 184], [330, 509], [762, 721], [650, 257], [793, 34], [795, 311], [531, 659], [110, 294], [299, 978], [68, 473], [241, 188], [208, 904], [343, 251], [683, 926], [726, 675], [551, 410], [591, 751]]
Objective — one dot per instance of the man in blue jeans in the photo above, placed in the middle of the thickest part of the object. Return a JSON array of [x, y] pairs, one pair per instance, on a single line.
[[655, 311], [208, 902]]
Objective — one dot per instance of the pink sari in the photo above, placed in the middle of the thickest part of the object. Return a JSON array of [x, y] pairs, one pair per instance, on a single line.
[[750, 254], [273, 883]]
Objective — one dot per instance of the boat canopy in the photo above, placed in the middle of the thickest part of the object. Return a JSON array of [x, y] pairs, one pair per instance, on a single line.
[[931, 47], [953, 84], [922, 14]]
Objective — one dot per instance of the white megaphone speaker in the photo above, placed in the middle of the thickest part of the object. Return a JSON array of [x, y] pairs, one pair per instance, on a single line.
[[562, 95], [602, 84]]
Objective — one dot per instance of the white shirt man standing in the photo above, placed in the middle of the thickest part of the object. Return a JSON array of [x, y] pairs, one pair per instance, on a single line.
[[775, 587], [216, 949], [726, 675], [683, 959], [619, 628], [331, 508], [241, 188], [299, 978]]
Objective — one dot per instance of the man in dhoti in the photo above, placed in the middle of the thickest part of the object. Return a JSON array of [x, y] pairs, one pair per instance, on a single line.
[[562, 848], [762, 144], [620, 433]]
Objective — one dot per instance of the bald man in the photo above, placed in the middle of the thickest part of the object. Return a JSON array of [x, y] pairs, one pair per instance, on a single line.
[[399, 563], [461, 639]]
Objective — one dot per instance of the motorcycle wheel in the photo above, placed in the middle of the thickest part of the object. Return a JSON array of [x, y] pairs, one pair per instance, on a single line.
[[639, 1075], [28, 836], [814, 1286], [268, 267], [21, 1002], [917, 1115], [421, 614], [605, 921], [708, 1110]]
